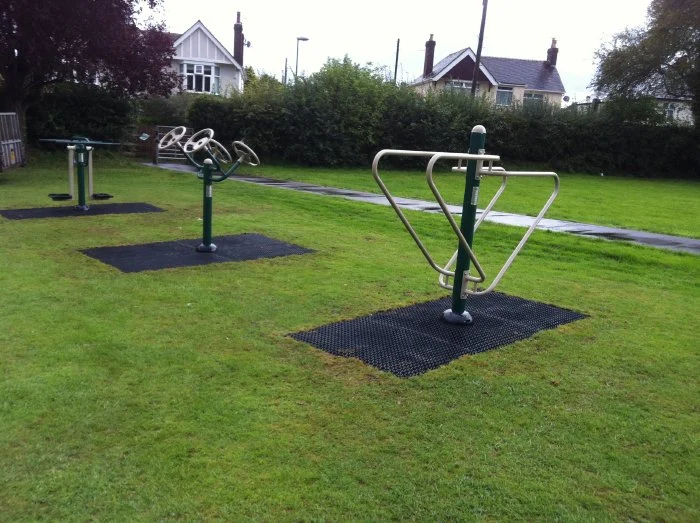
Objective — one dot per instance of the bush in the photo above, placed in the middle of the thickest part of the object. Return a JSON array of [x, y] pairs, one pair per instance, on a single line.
[[346, 113], [159, 110], [71, 109]]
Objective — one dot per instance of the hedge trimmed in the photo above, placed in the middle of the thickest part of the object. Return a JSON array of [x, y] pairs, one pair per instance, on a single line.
[[346, 113]]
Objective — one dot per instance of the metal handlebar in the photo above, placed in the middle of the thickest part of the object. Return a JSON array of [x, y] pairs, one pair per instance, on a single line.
[[433, 154], [445, 272], [500, 171]]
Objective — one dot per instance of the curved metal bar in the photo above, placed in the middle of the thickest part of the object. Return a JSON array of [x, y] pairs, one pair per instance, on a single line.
[[533, 225], [441, 202], [397, 209], [189, 156]]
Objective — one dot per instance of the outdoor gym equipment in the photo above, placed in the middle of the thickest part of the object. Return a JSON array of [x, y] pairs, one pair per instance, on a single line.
[[458, 266], [80, 154], [211, 169]]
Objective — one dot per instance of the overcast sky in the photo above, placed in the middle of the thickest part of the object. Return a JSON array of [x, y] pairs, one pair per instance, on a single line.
[[367, 31]]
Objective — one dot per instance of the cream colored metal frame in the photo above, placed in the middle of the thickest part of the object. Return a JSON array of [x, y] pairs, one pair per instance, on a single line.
[[447, 271]]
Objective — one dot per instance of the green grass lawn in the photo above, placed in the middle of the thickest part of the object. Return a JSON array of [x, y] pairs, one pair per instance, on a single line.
[[177, 394], [654, 205]]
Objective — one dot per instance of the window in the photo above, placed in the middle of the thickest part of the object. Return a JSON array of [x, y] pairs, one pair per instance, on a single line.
[[201, 78], [671, 111], [533, 99], [457, 85], [504, 96], [460, 86]]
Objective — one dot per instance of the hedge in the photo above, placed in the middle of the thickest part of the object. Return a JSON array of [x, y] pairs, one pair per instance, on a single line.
[[345, 113]]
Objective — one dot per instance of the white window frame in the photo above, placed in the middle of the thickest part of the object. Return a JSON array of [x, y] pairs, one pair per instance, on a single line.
[[504, 90], [457, 84], [530, 97], [200, 77]]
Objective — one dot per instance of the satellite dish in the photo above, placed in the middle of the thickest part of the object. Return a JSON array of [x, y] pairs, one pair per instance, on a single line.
[[566, 98]]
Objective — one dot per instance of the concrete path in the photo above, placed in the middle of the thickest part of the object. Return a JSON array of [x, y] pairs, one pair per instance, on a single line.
[[662, 241]]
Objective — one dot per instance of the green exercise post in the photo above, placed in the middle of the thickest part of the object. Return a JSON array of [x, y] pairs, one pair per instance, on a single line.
[[458, 314], [207, 245], [81, 162]]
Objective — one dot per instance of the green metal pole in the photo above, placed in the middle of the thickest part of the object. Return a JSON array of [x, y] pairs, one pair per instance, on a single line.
[[207, 245], [457, 314], [81, 160]]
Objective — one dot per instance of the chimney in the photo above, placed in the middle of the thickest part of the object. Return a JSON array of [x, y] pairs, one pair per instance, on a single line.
[[429, 57], [238, 40], [552, 53]]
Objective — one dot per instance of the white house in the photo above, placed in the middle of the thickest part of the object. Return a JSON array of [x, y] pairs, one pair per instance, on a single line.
[[206, 66]]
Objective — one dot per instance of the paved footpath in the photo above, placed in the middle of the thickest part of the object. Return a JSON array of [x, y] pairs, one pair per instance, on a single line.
[[662, 241]]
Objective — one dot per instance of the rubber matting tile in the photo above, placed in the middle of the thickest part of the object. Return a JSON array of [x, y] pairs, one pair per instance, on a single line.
[[182, 253], [412, 340], [71, 210]]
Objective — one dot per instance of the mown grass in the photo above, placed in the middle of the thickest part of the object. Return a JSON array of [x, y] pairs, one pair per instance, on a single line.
[[177, 394], [655, 205]]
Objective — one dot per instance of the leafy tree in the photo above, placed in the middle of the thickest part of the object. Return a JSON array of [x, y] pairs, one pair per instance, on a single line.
[[663, 57], [81, 41]]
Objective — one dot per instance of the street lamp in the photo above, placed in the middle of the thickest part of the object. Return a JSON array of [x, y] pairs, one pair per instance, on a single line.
[[296, 68]]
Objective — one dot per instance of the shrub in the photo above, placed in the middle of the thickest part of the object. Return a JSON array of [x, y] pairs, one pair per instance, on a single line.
[[72, 109]]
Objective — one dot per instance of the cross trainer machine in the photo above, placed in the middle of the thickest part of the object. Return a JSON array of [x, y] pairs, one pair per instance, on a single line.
[[211, 169], [458, 266], [80, 155]]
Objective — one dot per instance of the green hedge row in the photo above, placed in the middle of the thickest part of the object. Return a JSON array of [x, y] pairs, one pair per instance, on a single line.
[[345, 113]]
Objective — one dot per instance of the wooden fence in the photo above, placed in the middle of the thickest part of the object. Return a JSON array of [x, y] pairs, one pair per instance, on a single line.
[[12, 152]]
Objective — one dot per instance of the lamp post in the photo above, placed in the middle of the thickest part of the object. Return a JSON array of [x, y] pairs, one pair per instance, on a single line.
[[296, 68]]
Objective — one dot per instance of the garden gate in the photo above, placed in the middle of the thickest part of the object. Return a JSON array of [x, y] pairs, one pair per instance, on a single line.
[[168, 155], [11, 146]]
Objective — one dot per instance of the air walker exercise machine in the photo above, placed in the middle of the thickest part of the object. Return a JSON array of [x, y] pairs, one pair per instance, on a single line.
[[458, 266], [80, 154], [211, 169]]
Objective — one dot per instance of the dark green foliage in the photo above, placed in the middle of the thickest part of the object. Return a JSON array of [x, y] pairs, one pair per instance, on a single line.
[[345, 114], [77, 109], [159, 110]]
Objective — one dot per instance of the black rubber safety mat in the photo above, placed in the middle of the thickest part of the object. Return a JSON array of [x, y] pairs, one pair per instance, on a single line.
[[182, 253], [412, 340], [71, 211]]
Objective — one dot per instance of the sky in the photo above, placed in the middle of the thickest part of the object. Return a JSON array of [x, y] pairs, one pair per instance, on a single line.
[[367, 31]]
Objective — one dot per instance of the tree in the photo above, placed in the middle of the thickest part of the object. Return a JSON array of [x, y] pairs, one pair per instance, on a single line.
[[82, 41], [662, 58]]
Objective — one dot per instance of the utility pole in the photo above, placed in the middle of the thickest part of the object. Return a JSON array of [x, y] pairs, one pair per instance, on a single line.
[[478, 49], [396, 64]]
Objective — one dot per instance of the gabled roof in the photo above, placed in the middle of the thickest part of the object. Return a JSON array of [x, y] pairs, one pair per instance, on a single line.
[[534, 74], [447, 63], [198, 25]]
